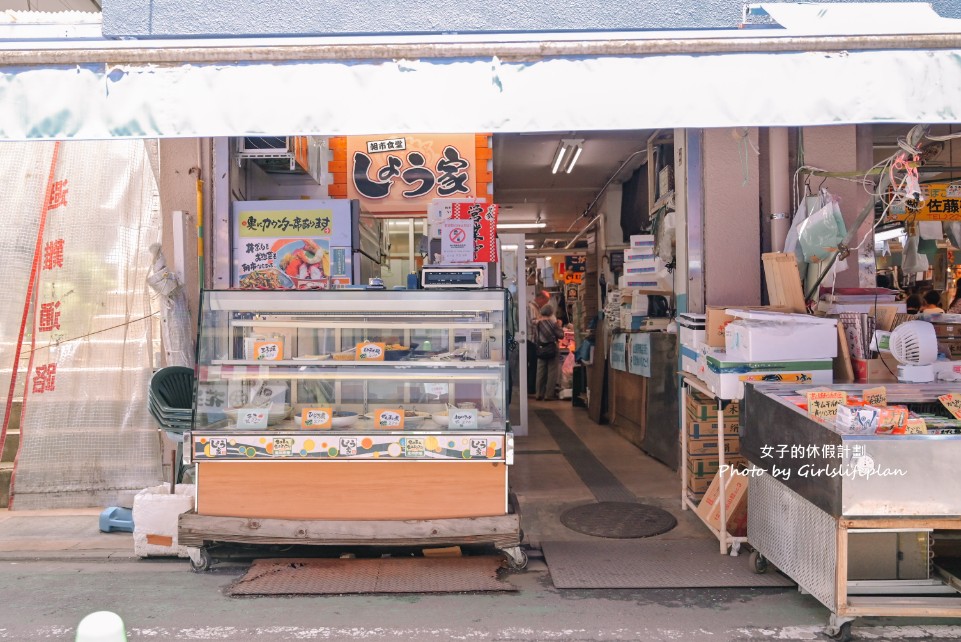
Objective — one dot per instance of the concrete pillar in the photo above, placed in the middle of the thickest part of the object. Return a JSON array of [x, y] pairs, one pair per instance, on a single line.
[[732, 229], [845, 148]]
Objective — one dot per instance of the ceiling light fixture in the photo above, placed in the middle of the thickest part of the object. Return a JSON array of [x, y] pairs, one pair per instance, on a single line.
[[887, 235], [520, 226], [568, 151]]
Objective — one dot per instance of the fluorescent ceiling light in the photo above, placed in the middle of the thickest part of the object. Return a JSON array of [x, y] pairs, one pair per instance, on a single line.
[[887, 235], [520, 226], [529, 246], [512, 246], [568, 151]]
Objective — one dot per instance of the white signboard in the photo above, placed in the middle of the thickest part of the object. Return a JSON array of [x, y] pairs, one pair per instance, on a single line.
[[457, 241]]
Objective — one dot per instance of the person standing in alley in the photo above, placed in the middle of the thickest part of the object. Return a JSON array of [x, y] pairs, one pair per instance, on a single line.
[[541, 299], [549, 331]]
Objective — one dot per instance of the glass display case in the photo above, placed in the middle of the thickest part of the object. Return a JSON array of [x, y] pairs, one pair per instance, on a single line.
[[352, 374]]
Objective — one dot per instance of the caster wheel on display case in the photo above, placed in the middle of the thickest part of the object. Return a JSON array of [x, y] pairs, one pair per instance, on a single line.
[[516, 558], [199, 560], [840, 629], [758, 563]]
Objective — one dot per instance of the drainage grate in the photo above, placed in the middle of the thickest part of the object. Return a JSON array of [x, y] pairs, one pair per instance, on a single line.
[[323, 576], [618, 520]]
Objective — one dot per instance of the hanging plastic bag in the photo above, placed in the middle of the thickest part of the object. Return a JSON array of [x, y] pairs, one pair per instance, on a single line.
[[931, 230], [953, 230], [666, 234], [567, 370], [913, 261], [821, 233]]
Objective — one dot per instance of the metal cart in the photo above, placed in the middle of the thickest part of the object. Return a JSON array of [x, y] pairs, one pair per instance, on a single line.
[[812, 524]]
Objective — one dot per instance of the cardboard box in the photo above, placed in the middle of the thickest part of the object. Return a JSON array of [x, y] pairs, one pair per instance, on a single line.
[[882, 370], [944, 330], [708, 445], [735, 503], [698, 484], [701, 429], [708, 464], [950, 348], [700, 408]]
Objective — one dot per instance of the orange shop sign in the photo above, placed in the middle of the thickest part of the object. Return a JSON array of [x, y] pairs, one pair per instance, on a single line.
[[403, 173]]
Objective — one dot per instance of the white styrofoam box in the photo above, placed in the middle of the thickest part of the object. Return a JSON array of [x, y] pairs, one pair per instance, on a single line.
[[640, 268], [702, 371], [691, 329], [642, 241], [650, 282], [689, 359], [155, 516], [862, 308], [639, 254], [621, 282], [726, 374], [782, 340]]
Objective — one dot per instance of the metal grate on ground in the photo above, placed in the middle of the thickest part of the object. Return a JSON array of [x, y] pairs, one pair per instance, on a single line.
[[322, 576], [618, 520], [655, 563]]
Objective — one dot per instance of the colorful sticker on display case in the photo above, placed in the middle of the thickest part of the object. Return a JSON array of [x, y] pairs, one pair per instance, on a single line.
[[463, 418], [785, 377], [316, 418], [283, 446], [300, 447], [876, 396], [389, 418], [368, 351], [268, 350], [414, 447], [953, 403], [825, 404], [252, 418]]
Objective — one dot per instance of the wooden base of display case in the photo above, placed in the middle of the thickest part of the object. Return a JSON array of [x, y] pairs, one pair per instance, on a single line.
[[331, 490]]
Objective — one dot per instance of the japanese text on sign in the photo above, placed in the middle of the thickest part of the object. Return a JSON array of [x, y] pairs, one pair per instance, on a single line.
[[45, 378], [953, 403], [876, 396], [268, 350], [278, 224], [252, 418], [317, 418], [823, 404], [283, 446], [942, 202], [447, 177], [463, 419], [414, 447], [390, 418], [370, 351]]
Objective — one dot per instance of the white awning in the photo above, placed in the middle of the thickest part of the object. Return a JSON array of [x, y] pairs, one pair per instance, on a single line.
[[478, 94]]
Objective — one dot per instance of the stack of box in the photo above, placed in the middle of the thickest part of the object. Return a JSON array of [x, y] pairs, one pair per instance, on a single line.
[[691, 333], [643, 270], [702, 448]]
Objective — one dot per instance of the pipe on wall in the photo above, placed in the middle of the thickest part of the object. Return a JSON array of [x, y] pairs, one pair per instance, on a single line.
[[780, 181]]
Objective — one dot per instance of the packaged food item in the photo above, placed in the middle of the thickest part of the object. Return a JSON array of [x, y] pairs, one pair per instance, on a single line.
[[892, 420], [857, 420]]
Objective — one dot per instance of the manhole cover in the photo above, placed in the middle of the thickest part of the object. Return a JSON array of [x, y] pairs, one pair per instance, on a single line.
[[619, 520]]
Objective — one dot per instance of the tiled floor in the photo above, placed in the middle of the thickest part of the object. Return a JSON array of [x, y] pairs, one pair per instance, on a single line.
[[546, 484]]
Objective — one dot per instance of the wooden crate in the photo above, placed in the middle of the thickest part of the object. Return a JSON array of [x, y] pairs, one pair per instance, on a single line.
[[783, 281]]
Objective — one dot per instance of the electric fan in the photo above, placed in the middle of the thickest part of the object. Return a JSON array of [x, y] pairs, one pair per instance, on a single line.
[[915, 345]]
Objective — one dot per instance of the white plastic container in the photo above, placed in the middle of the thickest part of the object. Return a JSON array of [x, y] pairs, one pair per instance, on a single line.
[[155, 516], [780, 337]]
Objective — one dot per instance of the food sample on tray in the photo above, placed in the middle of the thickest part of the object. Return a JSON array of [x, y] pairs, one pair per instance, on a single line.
[[269, 279]]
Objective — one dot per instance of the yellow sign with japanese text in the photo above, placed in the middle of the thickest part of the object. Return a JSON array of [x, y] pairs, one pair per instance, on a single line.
[[942, 202]]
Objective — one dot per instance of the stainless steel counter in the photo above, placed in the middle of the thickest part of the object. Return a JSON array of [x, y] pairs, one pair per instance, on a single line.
[[856, 475]]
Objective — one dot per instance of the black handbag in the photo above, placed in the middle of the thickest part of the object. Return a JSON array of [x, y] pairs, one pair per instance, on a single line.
[[545, 349]]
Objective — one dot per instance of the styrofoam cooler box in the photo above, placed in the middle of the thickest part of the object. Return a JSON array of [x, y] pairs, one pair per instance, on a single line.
[[635, 268], [688, 359], [768, 336], [642, 242], [728, 374], [639, 254], [640, 304], [690, 329], [155, 516], [703, 372]]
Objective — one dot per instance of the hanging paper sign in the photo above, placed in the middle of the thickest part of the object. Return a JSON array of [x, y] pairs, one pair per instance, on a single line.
[[953, 403], [370, 351], [640, 363], [436, 389], [876, 396], [252, 418], [619, 352], [463, 418], [824, 404], [317, 418], [268, 350], [389, 418], [484, 219], [457, 241]]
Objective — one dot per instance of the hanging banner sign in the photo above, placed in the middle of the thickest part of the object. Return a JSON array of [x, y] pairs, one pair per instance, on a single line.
[[403, 173], [484, 219], [942, 202], [285, 245], [619, 352], [640, 363]]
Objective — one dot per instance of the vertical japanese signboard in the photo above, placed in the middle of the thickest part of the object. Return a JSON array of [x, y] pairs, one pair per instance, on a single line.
[[291, 244], [403, 173], [484, 219]]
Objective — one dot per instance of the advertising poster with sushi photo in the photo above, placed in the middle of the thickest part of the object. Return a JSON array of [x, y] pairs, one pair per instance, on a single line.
[[291, 245]]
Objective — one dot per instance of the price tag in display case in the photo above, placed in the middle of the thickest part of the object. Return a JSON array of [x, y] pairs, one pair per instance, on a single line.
[[876, 396], [268, 350], [824, 404], [953, 403], [317, 418], [463, 419], [436, 389], [252, 418], [370, 351], [389, 418]]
